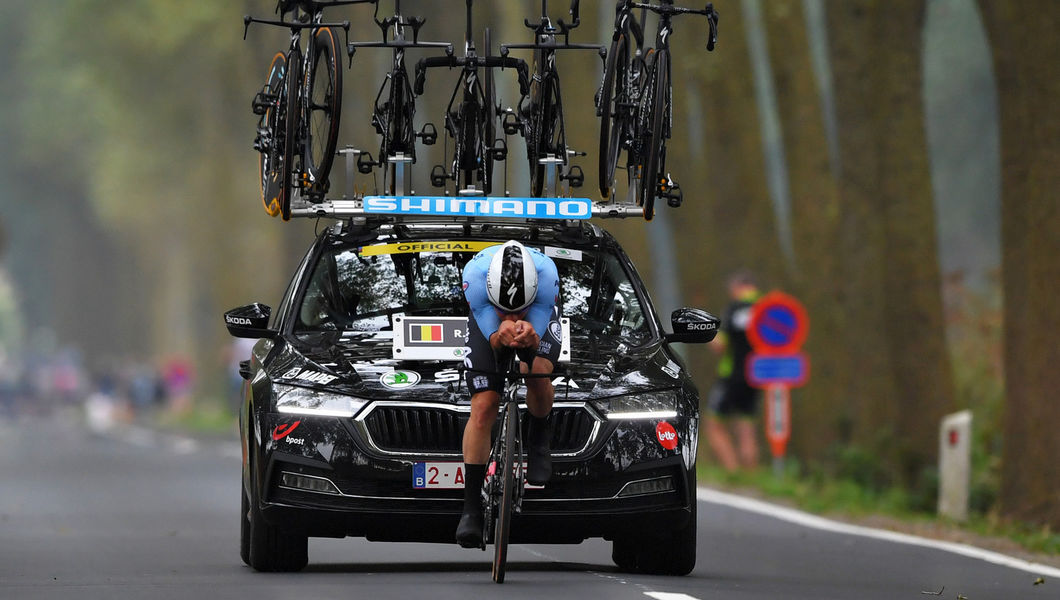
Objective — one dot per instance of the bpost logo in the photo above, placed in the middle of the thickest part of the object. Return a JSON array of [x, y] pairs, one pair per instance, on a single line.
[[667, 435], [399, 380], [284, 429]]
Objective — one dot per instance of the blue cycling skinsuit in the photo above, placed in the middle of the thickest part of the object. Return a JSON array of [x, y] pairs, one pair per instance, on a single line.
[[542, 314]]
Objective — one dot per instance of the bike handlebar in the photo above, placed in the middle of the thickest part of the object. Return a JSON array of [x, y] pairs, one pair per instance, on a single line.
[[292, 25], [472, 63], [670, 10]]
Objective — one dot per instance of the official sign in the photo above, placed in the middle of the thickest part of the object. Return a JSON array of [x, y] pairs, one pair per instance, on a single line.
[[442, 338], [480, 206]]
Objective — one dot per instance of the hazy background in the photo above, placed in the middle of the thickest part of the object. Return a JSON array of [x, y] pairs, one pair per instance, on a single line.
[[865, 156]]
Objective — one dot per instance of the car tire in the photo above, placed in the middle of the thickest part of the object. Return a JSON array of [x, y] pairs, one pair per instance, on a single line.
[[624, 554], [244, 525], [665, 553], [272, 549]]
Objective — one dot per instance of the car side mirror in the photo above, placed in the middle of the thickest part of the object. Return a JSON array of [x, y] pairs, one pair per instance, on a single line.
[[250, 321], [693, 326]]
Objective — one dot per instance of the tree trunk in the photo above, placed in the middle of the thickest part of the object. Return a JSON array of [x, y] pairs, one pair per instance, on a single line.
[[1027, 65], [821, 407], [893, 295]]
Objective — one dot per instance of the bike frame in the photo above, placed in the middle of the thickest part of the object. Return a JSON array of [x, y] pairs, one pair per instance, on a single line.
[[307, 14], [394, 120], [544, 85], [469, 165]]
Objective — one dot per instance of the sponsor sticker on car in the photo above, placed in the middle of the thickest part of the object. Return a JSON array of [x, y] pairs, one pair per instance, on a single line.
[[666, 435]]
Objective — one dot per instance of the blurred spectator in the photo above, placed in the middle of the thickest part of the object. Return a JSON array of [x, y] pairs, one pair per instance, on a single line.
[[732, 403], [103, 410], [177, 374]]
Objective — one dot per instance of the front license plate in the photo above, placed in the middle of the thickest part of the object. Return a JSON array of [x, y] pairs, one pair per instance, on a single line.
[[438, 475], [445, 476]]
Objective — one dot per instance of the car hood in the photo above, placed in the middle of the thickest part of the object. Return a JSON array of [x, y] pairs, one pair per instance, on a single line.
[[362, 365]]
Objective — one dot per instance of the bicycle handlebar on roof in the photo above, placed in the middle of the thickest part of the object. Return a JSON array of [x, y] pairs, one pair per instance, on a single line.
[[470, 63]]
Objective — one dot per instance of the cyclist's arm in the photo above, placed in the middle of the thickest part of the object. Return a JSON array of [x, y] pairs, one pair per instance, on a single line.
[[475, 292], [540, 312]]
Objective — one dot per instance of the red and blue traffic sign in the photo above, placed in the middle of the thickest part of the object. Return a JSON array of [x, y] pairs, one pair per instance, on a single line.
[[778, 324]]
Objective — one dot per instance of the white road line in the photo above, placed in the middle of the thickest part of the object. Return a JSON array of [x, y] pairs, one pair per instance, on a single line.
[[669, 596], [814, 522]]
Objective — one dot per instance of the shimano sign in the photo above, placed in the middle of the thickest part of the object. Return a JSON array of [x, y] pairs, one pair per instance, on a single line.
[[480, 206]]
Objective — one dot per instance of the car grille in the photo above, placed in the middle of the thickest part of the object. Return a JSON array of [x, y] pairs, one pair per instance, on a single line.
[[403, 429]]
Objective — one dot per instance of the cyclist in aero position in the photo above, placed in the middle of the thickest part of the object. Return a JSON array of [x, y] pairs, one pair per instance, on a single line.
[[513, 293]]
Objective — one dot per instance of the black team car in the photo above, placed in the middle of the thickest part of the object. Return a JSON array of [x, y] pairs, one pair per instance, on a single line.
[[354, 404]]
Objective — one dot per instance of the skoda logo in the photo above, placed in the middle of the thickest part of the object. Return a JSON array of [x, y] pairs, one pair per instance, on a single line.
[[398, 380]]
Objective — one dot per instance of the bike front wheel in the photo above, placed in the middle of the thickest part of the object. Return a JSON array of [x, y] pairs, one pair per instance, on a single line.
[[270, 135], [324, 82], [290, 141], [612, 111], [507, 474], [655, 152]]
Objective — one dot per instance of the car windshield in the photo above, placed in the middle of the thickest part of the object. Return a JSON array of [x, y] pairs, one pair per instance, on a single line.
[[359, 289]]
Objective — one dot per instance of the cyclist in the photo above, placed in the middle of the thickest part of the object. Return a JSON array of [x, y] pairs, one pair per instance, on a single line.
[[513, 293]]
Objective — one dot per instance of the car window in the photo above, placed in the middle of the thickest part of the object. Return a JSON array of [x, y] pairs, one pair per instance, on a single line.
[[354, 292]]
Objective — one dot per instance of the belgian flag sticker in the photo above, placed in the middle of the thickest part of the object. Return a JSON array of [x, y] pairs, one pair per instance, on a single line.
[[425, 333]]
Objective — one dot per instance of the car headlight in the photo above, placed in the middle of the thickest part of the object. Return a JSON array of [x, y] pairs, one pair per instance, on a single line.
[[652, 405], [304, 401]]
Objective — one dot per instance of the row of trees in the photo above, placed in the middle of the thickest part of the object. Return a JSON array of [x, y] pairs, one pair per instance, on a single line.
[[134, 221]]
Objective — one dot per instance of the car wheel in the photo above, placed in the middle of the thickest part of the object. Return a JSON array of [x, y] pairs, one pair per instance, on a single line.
[[624, 554], [272, 549], [663, 553], [244, 525]]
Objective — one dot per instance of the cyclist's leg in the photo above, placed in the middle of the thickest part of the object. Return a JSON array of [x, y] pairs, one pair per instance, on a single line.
[[539, 390], [539, 397], [485, 389]]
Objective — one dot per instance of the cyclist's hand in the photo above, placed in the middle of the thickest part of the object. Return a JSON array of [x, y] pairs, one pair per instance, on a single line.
[[505, 336], [525, 336]]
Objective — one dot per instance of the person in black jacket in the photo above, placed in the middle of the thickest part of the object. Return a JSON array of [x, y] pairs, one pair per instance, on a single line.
[[732, 401]]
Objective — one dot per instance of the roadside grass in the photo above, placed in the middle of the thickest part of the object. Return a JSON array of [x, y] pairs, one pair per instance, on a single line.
[[204, 417], [846, 499]]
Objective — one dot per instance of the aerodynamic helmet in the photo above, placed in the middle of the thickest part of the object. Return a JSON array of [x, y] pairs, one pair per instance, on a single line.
[[511, 282]]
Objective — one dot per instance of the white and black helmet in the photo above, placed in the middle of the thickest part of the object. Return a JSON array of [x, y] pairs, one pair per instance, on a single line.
[[511, 282]]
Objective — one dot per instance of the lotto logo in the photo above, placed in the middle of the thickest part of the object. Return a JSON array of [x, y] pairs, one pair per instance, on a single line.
[[667, 435]]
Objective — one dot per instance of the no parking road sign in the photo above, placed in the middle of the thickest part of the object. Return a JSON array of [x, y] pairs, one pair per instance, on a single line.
[[778, 324], [777, 330]]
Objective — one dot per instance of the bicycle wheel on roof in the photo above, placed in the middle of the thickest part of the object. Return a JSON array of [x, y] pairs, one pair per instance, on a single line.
[[269, 139], [324, 95]]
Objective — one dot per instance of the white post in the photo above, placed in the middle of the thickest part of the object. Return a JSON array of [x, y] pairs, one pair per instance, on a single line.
[[955, 464]]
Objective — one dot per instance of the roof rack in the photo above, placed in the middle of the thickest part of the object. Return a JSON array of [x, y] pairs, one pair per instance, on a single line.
[[467, 205], [460, 208]]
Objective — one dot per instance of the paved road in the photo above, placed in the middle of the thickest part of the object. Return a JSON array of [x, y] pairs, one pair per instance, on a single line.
[[142, 515]]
